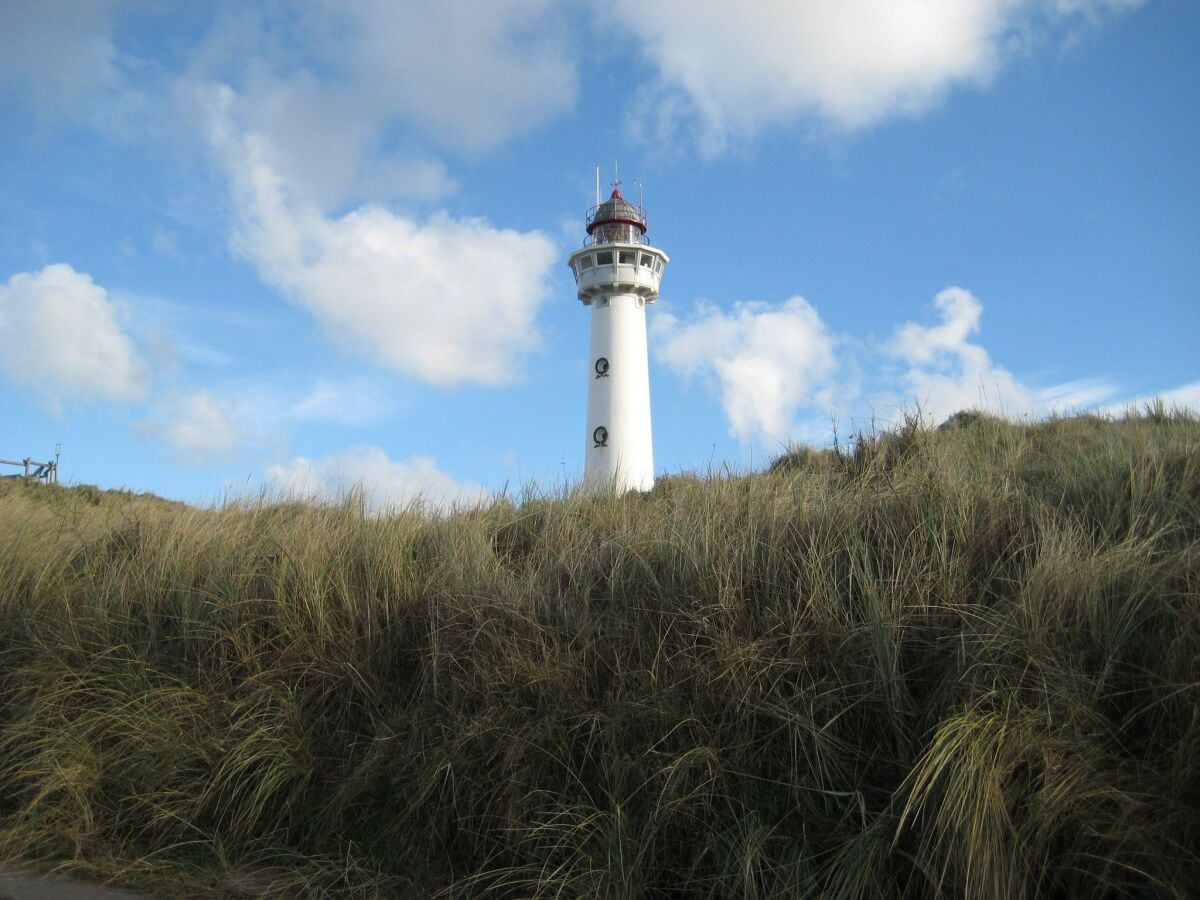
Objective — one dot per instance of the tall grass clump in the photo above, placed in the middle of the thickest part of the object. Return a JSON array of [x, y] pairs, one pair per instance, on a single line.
[[951, 662]]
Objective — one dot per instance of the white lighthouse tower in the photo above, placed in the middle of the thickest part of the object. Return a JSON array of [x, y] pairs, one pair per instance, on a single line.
[[617, 274]]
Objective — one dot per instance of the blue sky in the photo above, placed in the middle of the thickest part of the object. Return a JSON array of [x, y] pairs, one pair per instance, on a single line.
[[297, 246]]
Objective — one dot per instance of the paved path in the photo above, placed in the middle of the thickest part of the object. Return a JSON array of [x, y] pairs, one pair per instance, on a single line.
[[23, 884]]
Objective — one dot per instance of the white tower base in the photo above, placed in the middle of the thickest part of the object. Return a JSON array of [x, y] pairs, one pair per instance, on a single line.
[[622, 457]]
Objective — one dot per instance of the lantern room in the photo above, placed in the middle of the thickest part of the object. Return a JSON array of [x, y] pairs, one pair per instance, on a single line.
[[616, 221]]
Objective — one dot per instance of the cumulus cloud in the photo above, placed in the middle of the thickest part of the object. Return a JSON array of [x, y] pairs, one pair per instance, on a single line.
[[386, 483], [780, 373], [445, 300], [61, 334], [851, 64], [766, 362], [947, 372], [348, 93]]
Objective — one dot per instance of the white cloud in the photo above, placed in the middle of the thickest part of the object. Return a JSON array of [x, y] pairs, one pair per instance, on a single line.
[[767, 362], [781, 374], [960, 312], [56, 52], [947, 372], [471, 75], [351, 95], [61, 61], [324, 140], [197, 424], [61, 334], [1186, 395], [734, 71], [448, 301], [347, 94], [386, 483]]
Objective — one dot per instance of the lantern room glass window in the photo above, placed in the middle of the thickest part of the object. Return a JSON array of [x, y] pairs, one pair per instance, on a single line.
[[615, 233], [605, 258], [625, 257]]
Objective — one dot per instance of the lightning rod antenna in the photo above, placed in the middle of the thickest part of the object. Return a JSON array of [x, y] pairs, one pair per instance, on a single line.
[[597, 185]]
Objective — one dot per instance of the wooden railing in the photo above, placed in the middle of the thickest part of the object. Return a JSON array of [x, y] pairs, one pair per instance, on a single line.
[[46, 472]]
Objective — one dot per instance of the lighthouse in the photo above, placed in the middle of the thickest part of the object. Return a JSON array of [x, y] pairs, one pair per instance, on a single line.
[[617, 273]]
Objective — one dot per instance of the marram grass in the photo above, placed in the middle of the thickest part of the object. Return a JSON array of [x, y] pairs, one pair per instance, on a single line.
[[955, 662]]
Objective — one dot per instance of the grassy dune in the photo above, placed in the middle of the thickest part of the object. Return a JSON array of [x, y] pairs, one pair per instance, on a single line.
[[955, 662]]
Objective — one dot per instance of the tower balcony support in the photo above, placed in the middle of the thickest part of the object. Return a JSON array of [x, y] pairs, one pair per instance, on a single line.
[[625, 268]]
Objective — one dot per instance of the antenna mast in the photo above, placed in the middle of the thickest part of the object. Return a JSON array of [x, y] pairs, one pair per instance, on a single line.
[[597, 185]]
